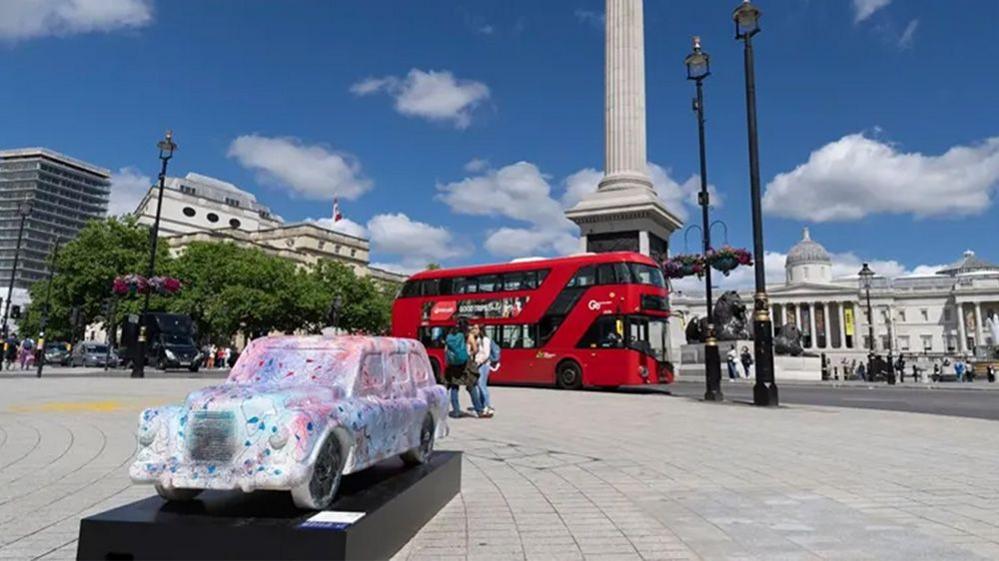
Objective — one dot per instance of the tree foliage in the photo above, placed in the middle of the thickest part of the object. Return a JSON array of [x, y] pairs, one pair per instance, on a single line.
[[226, 290]]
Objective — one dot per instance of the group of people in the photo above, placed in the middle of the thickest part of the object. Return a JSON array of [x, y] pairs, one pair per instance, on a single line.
[[733, 359], [218, 356], [470, 355], [18, 351]]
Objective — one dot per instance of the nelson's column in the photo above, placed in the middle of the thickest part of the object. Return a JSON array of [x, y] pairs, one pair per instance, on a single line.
[[624, 214]]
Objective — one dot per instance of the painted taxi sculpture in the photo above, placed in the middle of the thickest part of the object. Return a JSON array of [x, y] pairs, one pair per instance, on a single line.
[[296, 413]]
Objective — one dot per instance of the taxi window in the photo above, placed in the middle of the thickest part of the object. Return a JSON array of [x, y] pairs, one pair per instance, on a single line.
[[372, 375], [397, 369], [419, 370]]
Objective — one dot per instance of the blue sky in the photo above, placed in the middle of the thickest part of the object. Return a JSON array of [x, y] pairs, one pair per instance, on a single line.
[[456, 131]]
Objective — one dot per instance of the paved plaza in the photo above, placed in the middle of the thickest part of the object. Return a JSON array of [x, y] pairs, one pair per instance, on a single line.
[[579, 475]]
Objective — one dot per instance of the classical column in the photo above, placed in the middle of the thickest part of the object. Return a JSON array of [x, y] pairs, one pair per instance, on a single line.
[[979, 331], [841, 314], [961, 339], [814, 339], [826, 331], [625, 161]]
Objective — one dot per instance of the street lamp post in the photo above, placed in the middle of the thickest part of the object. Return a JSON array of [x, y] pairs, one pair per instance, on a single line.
[[698, 65], [866, 276], [335, 313], [23, 210], [167, 148], [45, 309], [747, 24]]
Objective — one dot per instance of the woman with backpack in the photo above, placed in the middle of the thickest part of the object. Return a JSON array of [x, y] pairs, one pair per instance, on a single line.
[[460, 369]]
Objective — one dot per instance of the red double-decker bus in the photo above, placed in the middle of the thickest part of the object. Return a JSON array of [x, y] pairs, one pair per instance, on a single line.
[[585, 320]]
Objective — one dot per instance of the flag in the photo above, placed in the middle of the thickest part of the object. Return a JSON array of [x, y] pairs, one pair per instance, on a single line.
[[337, 215]]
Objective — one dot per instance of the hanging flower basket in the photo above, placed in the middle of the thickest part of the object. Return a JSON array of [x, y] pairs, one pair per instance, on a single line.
[[680, 266], [728, 259], [137, 284]]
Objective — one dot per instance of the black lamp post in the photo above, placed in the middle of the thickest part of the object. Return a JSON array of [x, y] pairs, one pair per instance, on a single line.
[[698, 68], [45, 309], [335, 312], [747, 24], [167, 147], [23, 211], [866, 278]]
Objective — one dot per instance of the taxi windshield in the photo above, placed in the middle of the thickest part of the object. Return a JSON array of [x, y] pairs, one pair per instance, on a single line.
[[279, 365]]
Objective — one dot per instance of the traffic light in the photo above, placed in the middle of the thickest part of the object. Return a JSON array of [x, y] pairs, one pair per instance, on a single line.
[[15, 311]]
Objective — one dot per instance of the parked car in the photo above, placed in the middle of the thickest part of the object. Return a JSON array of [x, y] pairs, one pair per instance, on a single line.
[[57, 352], [296, 414], [92, 355]]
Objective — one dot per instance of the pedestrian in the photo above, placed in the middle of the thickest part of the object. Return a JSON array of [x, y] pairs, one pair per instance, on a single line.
[[990, 373], [936, 372], [970, 371], [27, 350], [455, 371], [915, 373], [220, 357], [732, 359], [227, 357], [210, 356], [747, 360], [900, 367], [485, 358], [959, 369], [861, 371], [10, 351]]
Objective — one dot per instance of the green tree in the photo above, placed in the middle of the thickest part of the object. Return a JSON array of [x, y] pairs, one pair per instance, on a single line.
[[84, 271], [367, 305]]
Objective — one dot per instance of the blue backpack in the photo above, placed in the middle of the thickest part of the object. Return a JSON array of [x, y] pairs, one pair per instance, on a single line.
[[457, 352], [494, 352]]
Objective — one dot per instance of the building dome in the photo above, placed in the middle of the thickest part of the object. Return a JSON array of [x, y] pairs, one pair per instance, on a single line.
[[807, 251], [808, 261]]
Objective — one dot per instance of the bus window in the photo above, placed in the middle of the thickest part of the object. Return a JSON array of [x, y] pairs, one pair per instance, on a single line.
[[584, 277], [519, 337], [431, 337], [410, 289], [606, 274], [530, 333], [513, 281], [429, 287], [623, 273], [607, 332], [445, 287], [647, 274], [466, 285], [490, 283], [647, 335], [493, 332]]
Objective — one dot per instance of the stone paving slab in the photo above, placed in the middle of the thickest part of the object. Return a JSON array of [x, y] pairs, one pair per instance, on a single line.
[[578, 475]]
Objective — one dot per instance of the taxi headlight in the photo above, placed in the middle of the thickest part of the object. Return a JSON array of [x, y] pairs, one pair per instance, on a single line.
[[278, 439]]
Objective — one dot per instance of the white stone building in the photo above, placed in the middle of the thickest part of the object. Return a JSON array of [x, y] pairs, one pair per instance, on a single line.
[[200, 208], [928, 316]]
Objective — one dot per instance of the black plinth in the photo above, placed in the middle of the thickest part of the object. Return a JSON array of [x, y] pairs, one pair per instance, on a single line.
[[397, 502]]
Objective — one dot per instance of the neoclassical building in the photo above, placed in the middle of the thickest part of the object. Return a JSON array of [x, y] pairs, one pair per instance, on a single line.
[[946, 313]]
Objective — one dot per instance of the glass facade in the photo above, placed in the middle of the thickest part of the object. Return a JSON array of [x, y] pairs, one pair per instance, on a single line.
[[63, 193]]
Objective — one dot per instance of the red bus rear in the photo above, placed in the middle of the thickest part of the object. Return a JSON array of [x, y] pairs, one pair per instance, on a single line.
[[587, 320]]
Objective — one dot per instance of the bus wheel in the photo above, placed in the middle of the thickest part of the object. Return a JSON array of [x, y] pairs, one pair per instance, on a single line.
[[568, 376]]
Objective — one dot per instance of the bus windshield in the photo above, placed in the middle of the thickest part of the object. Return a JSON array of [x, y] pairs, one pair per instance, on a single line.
[[648, 335]]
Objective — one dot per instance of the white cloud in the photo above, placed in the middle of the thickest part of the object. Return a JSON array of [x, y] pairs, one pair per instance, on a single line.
[[908, 35], [128, 187], [856, 176], [475, 165], [312, 171], [27, 19], [415, 243], [863, 9], [519, 242], [432, 95], [344, 226], [589, 17]]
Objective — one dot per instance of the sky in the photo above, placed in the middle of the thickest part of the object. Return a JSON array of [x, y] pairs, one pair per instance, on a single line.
[[457, 132]]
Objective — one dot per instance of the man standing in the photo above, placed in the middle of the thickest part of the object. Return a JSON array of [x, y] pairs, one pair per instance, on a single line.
[[732, 359]]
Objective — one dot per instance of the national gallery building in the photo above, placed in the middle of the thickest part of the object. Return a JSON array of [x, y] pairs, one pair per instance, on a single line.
[[952, 312]]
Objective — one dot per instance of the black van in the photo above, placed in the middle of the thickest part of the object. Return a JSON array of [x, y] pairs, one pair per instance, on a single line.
[[170, 341]]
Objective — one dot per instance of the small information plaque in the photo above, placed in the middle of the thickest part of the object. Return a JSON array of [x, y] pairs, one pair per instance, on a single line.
[[332, 520]]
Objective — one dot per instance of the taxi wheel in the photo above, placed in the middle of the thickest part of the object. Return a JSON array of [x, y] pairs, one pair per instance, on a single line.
[[319, 491], [422, 453], [568, 376], [177, 494]]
